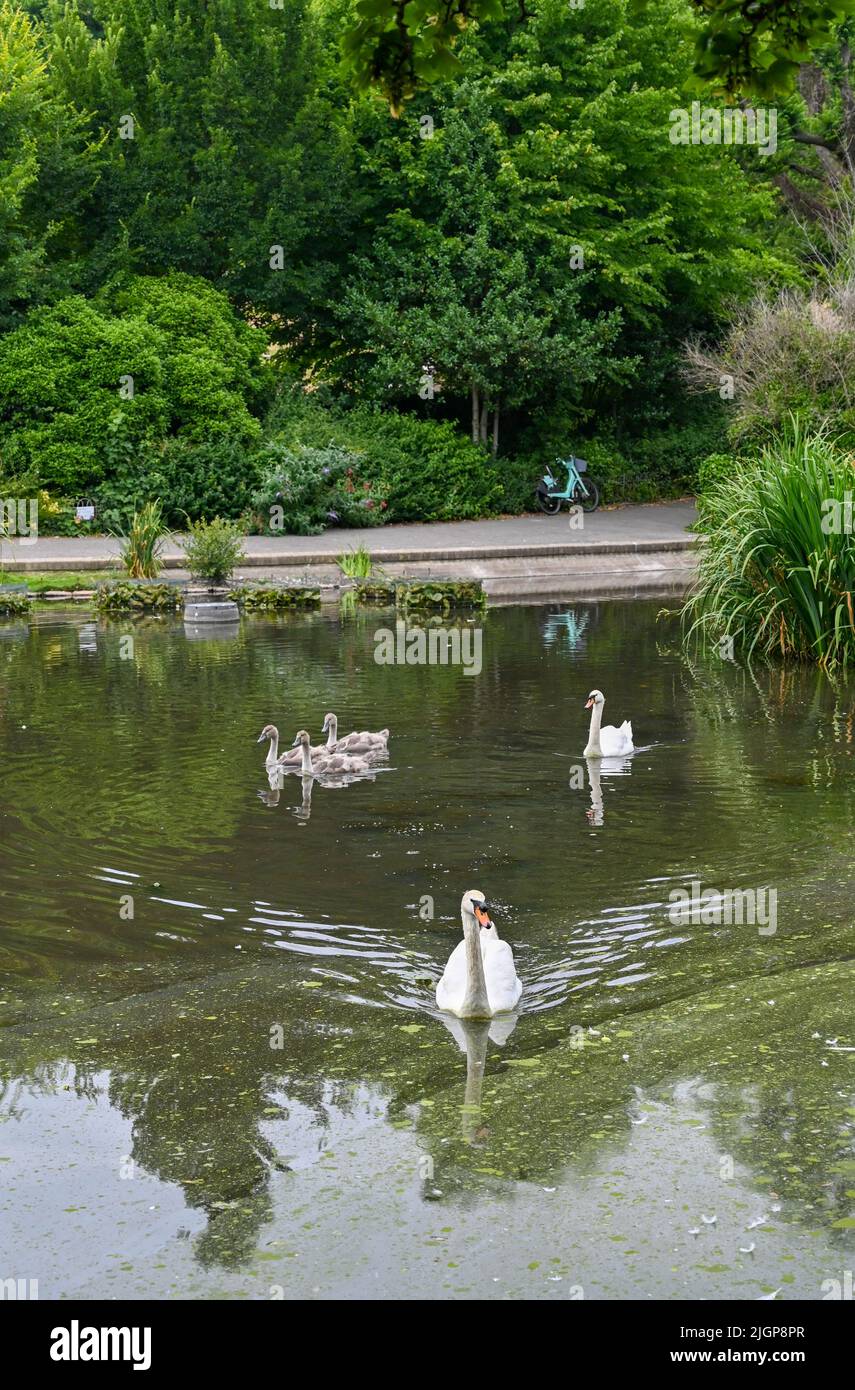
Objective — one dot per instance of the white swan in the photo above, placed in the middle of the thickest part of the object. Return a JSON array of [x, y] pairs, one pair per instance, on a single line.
[[480, 978], [608, 742], [325, 764], [364, 742]]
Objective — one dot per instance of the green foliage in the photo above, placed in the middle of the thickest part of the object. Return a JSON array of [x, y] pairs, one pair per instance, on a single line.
[[237, 145], [424, 469], [215, 478], [305, 489], [45, 169], [714, 469], [429, 471], [658, 463], [368, 256], [213, 549], [399, 46], [777, 570], [743, 46], [142, 546], [125, 597], [746, 47], [544, 250]]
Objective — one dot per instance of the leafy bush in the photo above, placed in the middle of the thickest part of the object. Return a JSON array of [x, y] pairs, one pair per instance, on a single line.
[[85, 384], [789, 354], [191, 480], [59, 390], [303, 490], [662, 463], [213, 548], [425, 469], [431, 472], [777, 570], [713, 469]]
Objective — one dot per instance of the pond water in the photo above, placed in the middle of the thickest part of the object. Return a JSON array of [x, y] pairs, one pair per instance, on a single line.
[[222, 1071]]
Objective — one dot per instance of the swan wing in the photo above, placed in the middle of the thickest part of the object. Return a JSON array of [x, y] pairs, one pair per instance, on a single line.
[[616, 741], [451, 990], [503, 984]]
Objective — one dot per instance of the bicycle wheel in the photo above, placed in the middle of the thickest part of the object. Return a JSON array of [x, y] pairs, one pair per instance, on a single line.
[[547, 502], [592, 501]]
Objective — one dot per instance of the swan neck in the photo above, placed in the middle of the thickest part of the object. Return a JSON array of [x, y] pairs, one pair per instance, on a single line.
[[475, 1002], [272, 751], [308, 770], [594, 731], [332, 734]]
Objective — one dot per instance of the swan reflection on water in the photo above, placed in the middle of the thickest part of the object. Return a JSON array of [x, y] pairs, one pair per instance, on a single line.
[[597, 769], [276, 781], [472, 1036]]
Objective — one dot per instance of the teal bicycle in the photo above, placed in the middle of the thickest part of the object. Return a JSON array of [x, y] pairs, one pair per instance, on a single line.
[[579, 491]]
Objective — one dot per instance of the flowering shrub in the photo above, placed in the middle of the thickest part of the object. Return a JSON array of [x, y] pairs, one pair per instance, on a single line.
[[305, 490]]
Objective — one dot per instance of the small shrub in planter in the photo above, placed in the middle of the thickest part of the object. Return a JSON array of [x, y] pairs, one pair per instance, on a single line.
[[213, 549]]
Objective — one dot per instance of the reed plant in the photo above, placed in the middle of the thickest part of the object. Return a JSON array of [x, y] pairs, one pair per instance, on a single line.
[[356, 563], [143, 543], [777, 563]]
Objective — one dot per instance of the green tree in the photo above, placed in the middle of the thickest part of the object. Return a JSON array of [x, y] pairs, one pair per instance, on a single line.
[[547, 245], [43, 169], [221, 153]]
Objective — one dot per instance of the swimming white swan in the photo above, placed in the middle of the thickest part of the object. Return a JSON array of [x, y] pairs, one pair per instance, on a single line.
[[290, 759], [324, 764], [608, 742], [364, 742], [480, 978]]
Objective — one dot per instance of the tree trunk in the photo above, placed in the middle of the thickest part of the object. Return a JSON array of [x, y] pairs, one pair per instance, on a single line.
[[482, 432], [495, 431], [475, 413]]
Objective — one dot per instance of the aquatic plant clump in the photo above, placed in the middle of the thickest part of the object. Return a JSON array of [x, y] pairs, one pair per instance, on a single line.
[[125, 597], [440, 596], [373, 592], [15, 604], [274, 598], [776, 575]]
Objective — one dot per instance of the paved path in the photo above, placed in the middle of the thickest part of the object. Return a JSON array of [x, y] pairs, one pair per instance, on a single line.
[[656, 527]]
